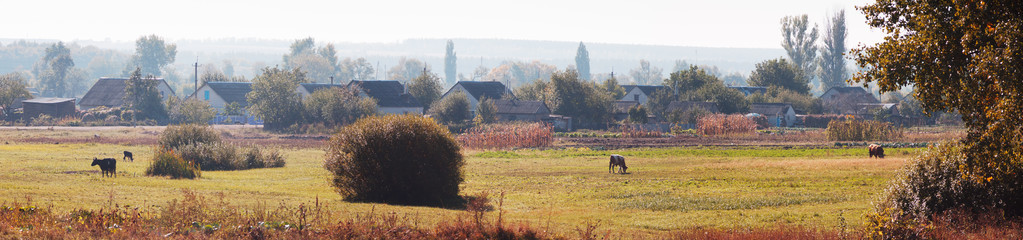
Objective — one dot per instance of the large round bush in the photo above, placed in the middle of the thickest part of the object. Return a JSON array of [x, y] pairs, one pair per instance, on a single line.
[[400, 159]]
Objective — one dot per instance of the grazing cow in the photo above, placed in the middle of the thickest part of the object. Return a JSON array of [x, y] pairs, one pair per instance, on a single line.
[[127, 155], [876, 151], [108, 165], [617, 160]]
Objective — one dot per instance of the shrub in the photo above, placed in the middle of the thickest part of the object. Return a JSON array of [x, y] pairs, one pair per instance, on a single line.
[[212, 156], [254, 158], [821, 120], [861, 130], [179, 135], [192, 111], [452, 109], [937, 183], [509, 135], [167, 163], [401, 159], [716, 124]]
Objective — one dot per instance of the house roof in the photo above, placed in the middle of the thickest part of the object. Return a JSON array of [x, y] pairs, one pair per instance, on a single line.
[[688, 105], [312, 87], [770, 109], [388, 93], [109, 92], [478, 90], [520, 107], [232, 92], [646, 89], [48, 100], [622, 107]]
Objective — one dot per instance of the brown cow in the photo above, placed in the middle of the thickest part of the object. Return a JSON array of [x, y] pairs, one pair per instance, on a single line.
[[876, 151], [619, 161]]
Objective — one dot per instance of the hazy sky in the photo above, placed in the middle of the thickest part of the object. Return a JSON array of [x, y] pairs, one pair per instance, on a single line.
[[713, 23]]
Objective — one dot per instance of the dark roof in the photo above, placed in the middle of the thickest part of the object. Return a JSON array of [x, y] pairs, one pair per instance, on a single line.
[[232, 92], [109, 92], [688, 105], [849, 90], [750, 90], [48, 100], [520, 107], [770, 109], [859, 92], [649, 90], [312, 87], [388, 93], [624, 106], [478, 90]]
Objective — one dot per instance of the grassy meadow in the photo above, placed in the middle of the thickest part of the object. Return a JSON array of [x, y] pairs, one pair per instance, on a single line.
[[560, 190]]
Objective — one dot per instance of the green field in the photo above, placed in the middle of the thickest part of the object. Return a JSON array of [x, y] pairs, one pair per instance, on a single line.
[[556, 190]]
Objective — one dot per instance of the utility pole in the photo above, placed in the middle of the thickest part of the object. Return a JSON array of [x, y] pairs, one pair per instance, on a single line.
[[196, 65], [331, 80]]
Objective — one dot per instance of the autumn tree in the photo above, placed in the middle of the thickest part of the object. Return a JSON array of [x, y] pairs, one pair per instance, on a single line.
[[407, 69], [338, 106], [357, 69], [782, 73], [582, 62], [800, 42], [646, 74], [584, 101], [832, 61], [151, 55], [960, 56], [695, 84]]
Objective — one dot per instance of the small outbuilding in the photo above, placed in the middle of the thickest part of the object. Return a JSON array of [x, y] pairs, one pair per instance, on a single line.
[[54, 107]]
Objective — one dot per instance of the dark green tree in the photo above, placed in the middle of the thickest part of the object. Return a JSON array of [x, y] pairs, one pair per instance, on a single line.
[[781, 73], [637, 114], [799, 41], [450, 61], [582, 62], [274, 99], [151, 55], [584, 101], [613, 89], [143, 98], [338, 106], [12, 89], [486, 112], [426, 88], [451, 109], [832, 62], [533, 91]]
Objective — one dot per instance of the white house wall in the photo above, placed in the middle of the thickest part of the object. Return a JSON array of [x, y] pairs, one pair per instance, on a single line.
[[632, 96]]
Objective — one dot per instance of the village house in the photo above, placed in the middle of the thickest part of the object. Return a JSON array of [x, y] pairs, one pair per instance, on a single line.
[[109, 92], [777, 114], [222, 94], [391, 96], [476, 91], [846, 100], [520, 110], [750, 90], [640, 93], [54, 107], [306, 89]]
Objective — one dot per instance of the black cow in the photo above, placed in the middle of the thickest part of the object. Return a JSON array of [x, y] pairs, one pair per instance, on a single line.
[[108, 165], [127, 155], [617, 161]]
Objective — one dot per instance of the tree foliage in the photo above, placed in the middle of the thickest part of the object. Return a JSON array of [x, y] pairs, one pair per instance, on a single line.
[[799, 41], [142, 96], [151, 55], [486, 112], [584, 101], [408, 69], [426, 88], [612, 87], [453, 108], [317, 64], [582, 62], [57, 64], [12, 89], [192, 111], [832, 61], [515, 73], [274, 99], [961, 56], [357, 69], [781, 73], [646, 74], [801, 102], [338, 106], [450, 64], [695, 84]]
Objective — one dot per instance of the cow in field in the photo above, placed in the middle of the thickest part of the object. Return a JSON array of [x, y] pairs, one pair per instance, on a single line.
[[108, 165], [619, 161], [876, 150], [127, 155]]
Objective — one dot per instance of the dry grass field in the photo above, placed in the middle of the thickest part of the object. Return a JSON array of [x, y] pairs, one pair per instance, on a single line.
[[561, 191]]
